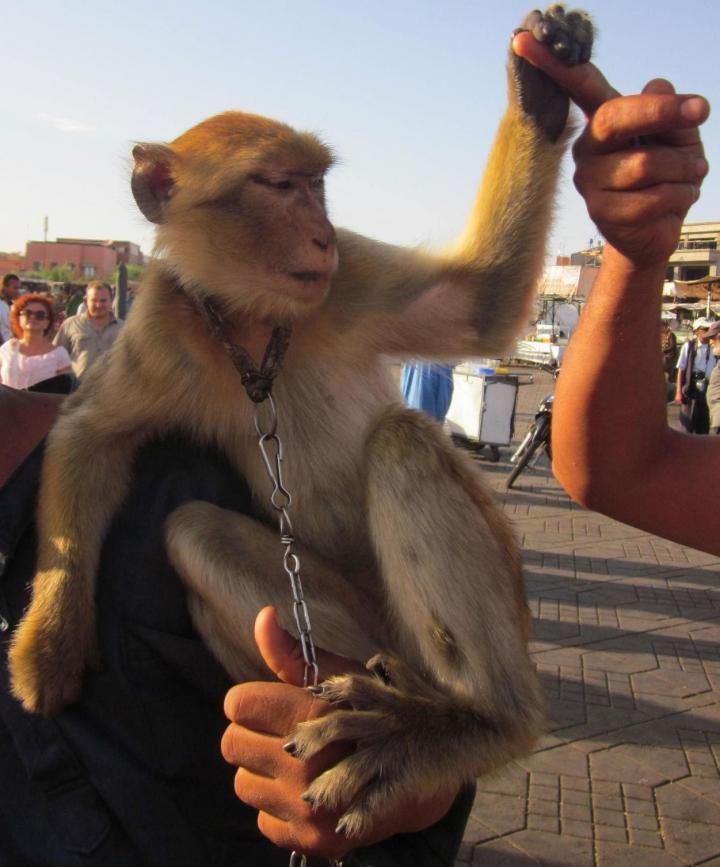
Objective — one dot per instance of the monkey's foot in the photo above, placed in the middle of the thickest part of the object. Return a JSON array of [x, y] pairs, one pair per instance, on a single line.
[[48, 658], [569, 35], [413, 738]]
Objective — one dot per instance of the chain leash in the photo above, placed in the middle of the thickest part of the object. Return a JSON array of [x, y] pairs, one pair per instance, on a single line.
[[258, 382], [271, 450], [272, 454]]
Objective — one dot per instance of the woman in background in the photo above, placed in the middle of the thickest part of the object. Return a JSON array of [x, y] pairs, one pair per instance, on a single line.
[[30, 357]]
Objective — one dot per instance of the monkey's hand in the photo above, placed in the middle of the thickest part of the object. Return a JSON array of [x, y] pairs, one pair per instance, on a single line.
[[569, 38], [262, 715], [399, 723], [48, 657]]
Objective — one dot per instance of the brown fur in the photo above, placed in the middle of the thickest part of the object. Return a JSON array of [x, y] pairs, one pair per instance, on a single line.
[[404, 551]]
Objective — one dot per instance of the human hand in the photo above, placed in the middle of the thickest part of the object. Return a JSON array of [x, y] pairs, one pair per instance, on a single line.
[[262, 716], [639, 160]]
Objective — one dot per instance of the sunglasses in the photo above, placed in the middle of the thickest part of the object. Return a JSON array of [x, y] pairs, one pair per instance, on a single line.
[[34, 314]]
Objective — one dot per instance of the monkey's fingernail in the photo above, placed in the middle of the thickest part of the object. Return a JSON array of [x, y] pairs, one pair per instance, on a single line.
[[701, 167], [315, 690], [290, 747]]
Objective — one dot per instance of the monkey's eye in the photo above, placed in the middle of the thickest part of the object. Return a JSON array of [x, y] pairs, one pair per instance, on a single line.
[[318, 183], [284, 185]]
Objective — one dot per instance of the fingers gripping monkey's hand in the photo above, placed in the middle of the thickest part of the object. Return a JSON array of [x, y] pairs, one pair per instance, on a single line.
[[639, 160], [262, 717]]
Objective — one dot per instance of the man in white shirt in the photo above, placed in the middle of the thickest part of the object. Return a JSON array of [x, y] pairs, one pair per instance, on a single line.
[[694, 367], [9, 292]]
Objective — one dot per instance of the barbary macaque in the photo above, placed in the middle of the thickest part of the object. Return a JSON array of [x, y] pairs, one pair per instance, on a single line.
[[404, 552]]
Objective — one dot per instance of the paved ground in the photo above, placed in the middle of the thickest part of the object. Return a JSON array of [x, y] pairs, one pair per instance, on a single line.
[[627, 643]]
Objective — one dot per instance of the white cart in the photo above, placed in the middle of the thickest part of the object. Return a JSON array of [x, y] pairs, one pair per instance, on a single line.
[[482, 410]]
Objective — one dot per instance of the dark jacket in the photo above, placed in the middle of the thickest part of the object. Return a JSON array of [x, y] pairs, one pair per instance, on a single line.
[[132, 774]]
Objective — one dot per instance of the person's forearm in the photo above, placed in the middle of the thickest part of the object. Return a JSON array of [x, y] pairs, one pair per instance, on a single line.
[[609, 418], [680, 383]]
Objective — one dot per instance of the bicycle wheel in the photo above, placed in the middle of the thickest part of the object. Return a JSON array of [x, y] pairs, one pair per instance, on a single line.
[[523, 459]]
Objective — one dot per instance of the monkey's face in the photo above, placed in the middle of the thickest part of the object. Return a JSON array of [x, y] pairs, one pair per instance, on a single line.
[[266, 236], [240, 203]]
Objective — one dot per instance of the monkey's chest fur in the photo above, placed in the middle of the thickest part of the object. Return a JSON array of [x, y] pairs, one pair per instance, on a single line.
[[325, 413]]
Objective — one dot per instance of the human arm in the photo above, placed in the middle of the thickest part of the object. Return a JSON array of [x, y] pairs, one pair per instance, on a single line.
[[612, 448], [62, 338], [4, 363], [62, 360], [5, 330], [262, 715], [680, 378]]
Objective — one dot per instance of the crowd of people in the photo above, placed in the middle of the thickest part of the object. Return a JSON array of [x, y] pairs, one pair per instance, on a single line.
[[49, 344]]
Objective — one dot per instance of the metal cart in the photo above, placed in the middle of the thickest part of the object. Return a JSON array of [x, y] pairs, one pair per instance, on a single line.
[[482, 410]]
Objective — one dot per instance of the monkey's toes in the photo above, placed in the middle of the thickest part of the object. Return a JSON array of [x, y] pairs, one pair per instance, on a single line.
[[569, 35], [309, 737]]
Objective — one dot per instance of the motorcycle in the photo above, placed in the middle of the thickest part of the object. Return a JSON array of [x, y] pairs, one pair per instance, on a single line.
[[538, 437]]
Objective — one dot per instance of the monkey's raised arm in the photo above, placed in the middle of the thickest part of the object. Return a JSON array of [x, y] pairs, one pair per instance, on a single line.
[[472, 298]]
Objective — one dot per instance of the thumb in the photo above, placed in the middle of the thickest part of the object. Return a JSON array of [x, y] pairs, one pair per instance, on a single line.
[[283, 655], [584, 83]]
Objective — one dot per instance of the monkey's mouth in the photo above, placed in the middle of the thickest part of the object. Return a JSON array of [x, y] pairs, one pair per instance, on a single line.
[[310, 276]]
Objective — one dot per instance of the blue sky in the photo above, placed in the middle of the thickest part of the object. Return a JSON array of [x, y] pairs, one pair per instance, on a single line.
[[408, 93]]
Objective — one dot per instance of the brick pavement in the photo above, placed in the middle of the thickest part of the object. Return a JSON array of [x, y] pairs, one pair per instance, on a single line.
[[627, 643]]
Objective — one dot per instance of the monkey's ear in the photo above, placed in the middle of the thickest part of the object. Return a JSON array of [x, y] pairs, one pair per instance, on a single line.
[[152, 180]]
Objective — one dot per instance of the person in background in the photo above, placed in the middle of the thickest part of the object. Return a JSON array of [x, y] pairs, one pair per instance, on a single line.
[[694, 367], [669, 346], [8, 293], [75, 302], [713, 389], [86, 336], [428, 387], [30, 357]]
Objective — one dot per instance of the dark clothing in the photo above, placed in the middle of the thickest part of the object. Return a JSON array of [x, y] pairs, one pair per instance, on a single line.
[[694, 413], [132, 774], [669, 346]]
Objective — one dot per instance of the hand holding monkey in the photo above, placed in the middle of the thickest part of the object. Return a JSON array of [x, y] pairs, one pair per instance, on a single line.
[[262, 716]]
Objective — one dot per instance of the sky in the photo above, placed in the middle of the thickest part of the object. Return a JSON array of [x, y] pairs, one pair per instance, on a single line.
[[407, 92]]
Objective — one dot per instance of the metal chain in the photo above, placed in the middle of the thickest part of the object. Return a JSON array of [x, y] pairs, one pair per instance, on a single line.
[[280, 499], [258, 384]]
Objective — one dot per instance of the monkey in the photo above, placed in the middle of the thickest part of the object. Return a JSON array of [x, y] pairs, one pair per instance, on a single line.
[[410, 566]]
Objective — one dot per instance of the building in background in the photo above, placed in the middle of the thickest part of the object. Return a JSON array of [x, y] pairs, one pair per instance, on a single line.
[[87, 259], [11, 263], [697, 254]]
